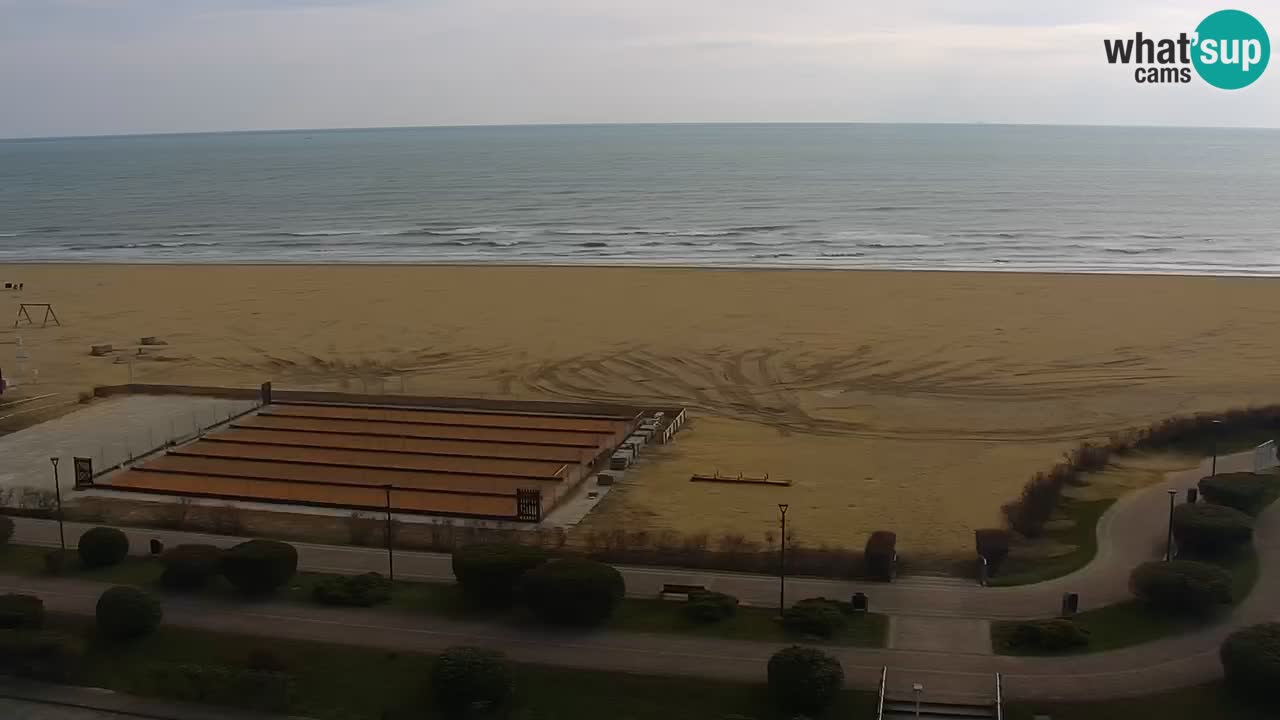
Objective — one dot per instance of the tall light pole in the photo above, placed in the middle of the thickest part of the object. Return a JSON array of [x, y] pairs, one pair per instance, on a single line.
[[1168, 543], [57, 492], [782, 562], [391, 561], [1216, 425]]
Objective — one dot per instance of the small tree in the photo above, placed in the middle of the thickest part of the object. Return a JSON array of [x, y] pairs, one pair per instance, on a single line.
[[804, 680], [464, 679], [125, 613], [259, 567], [1251, 660], [1245, 492], [1181, 586], [489, 574], [993, 546], [102, 547], [881, 554], [190, 567], [1210, 530], [21, 611], [819, 617], [708, 607], [573, 591]]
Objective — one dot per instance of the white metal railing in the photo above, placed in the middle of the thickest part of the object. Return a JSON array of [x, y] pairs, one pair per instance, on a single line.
[[884, 675], [999, 699]]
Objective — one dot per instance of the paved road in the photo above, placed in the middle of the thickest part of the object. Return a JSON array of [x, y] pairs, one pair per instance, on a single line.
[[1131, 532]]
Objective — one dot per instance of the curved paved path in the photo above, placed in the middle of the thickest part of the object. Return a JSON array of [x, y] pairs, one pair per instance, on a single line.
[[1131, 532]]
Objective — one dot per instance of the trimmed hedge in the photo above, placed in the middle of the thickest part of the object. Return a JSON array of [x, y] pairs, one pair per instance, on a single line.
[[102, 547], [467, 679], [6, 529], [879, 555], [256, 689], [259, 567], [1057, 635], [1246, 492], [364, 590], [125, 613], [1251, 660], [993, 545], [804, 680], [40, 655], [21, 611], [190, 567], [490, 574], [1210, 530], [572, 591], [819, 617], [1181, 586], [709, 607]]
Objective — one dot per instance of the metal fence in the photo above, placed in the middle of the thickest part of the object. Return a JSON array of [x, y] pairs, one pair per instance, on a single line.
[[138, 443]]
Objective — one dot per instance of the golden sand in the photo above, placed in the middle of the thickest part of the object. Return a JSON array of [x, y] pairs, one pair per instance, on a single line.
[[917, 402]]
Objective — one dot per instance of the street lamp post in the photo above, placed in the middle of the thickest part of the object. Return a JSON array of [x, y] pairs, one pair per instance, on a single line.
[[391, 561], [782, 562], [1168, 544], [917, 689], [57, 492], [1213, 472]]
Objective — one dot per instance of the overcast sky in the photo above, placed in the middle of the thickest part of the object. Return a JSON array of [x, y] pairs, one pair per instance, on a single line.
[[130, 66]]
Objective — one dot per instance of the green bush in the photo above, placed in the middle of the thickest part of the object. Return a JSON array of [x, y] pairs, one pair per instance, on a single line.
[[1208, 530], [1245, 492], [125, 613], [1251, 660], [6, 529], [190, 567], [40, 655], [467, 679], [819, 617], [490, 574], [57, 561], [710, 607], [880, 555], [256, 689], [1057, 635], [573, 591], [21, 611], [102, 547], [992, 545], [1181, 586], [259, 567], [804, 680], [364, 590]]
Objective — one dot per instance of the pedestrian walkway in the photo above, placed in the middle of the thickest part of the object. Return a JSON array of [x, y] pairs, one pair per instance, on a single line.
[[23, 700]]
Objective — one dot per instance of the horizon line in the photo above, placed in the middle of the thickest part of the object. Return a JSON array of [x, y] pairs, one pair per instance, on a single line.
[[977, 123]]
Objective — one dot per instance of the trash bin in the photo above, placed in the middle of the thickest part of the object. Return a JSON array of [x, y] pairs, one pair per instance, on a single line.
[[1192, 495], [859, 602], [157, 547], [1070, 604]]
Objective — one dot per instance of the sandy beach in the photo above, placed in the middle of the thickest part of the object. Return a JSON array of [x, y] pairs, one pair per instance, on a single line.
[[917, 402]]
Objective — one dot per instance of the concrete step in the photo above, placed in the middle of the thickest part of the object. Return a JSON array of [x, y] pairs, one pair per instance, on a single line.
[[936, 711]]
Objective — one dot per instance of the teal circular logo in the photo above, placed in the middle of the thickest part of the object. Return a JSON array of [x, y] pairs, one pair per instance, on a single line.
[[1232, 49]]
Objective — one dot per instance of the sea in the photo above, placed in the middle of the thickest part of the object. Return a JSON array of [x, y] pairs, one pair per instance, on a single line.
[[902, 196]]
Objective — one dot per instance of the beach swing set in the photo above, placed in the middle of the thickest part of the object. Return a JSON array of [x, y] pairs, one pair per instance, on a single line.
[[23, 314]]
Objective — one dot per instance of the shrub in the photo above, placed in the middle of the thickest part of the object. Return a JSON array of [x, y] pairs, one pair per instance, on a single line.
[[259, 567], [364, 590], [40, 655], [1251, 660], [257, 689], [21, 611], [102, 547], [1056, 635], [814, 616], [56, 561], [1210, 530], [992, 545], [1181, 586], [490, 574], [467, 678], [1245, 492], [190, 567], [125, 613], [804, 680], [573, 591], [710, 607], [6, 529], [880, 553]]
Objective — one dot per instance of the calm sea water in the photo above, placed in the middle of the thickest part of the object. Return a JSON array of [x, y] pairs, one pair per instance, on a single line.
[[886, 196]]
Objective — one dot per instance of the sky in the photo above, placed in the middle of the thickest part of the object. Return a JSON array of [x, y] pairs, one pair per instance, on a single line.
[[90, 67]]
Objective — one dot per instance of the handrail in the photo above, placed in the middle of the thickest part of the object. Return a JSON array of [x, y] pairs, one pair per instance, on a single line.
[[999, 700], [884, 674]]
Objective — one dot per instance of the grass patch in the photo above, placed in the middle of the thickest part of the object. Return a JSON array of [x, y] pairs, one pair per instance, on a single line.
[[1079, 523], [445, 600], [350, 683], [1131, 623], [1202, 702]]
